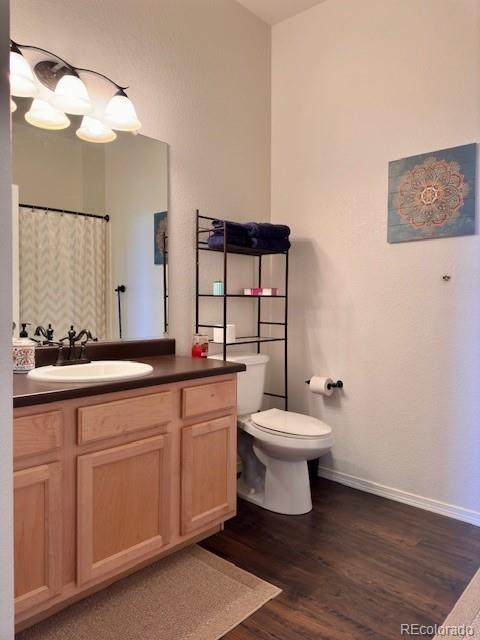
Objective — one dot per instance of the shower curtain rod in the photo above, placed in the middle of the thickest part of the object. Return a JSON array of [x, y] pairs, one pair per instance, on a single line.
[[74, 213]]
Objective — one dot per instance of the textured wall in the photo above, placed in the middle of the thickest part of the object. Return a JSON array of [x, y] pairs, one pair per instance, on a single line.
[[199, 72], [6, 475], [356, 84]]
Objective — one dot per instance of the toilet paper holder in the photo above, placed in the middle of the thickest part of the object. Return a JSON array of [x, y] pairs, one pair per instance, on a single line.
[[334, 385]]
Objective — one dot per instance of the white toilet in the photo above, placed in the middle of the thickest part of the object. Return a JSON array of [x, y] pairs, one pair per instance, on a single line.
[[274, 445]]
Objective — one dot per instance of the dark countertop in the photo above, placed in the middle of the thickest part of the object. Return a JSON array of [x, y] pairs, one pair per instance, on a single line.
[[166, 368]]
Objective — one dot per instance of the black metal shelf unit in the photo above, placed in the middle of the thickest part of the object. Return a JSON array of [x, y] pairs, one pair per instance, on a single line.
[[165, 282], [202, 233]]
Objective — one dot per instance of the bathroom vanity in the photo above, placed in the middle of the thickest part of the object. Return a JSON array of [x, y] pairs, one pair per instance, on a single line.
[[109, 477], [113, 474]]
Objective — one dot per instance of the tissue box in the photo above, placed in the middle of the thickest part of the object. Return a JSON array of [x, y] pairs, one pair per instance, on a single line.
[[218, 334]]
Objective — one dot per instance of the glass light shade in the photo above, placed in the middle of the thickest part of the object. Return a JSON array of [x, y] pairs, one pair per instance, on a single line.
[[22, 81], [120, 114], [71, 96], [92, 130], [13, 106], [43, 115]]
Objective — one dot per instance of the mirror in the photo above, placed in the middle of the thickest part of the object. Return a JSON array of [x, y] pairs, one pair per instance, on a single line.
[[90, 232]]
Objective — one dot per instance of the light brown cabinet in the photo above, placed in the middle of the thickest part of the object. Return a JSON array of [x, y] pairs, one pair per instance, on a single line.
[[123, 505], [37, 535], [107, 483], [208, 472]]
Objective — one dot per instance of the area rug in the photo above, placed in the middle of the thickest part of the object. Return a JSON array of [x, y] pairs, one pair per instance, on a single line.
[[191, 595], [466, 613]]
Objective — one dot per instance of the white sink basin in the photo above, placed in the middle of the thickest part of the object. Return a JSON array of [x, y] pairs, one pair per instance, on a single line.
[[97, 371]]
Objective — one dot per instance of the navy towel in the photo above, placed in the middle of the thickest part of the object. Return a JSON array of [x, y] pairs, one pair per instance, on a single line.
[[265, 230], [263, 236], [217, 241], [232, 238], [233, 228], [270, 244]]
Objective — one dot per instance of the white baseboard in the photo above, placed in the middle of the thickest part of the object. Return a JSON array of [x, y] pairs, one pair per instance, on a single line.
[[443, 508]]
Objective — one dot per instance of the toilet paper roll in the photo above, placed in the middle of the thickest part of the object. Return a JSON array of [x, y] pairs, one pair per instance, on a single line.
[[320, 385]]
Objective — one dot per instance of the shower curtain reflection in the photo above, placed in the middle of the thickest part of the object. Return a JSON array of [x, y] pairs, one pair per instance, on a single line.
[[63, 271]]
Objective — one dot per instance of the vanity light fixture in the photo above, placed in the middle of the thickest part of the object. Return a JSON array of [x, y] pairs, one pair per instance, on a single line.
[[13, 106], [71, 95], [42, 114], [120, 113], [93, 130], [22, 81], [59, 88]]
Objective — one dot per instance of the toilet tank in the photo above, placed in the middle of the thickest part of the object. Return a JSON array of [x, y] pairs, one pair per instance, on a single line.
[[250, 383]]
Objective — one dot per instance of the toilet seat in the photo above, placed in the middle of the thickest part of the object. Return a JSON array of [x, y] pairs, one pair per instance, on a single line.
[[290, 424]]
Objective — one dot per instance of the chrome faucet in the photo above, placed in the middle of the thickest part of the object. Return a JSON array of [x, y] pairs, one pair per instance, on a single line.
[[75, 355]]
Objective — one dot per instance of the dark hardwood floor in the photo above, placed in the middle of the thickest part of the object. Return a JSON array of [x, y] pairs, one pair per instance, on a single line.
[[357, 566]]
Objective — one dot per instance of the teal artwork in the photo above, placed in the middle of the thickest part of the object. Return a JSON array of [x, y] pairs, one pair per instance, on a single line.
[[432, 195], [160, 237]]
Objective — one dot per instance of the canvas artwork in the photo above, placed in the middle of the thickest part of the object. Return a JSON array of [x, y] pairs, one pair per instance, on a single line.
[[432, 195], [159, 236]]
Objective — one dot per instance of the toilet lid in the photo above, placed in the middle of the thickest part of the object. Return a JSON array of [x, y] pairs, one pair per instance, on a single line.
[[290, 423]]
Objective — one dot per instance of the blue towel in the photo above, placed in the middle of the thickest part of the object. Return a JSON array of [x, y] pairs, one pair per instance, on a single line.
[[232, 238], [231, 234], [270, 244], [233, 228], [217, 241], [265, 230], [263, 236]]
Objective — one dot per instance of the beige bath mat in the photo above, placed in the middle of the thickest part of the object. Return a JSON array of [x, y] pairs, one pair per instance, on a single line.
[[191, 595], [466, 613]]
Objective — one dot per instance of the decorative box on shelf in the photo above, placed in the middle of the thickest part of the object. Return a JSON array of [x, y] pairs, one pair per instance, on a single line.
[[260, 291]]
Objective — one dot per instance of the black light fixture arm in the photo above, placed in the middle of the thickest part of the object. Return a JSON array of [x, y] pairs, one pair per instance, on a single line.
[[17, 47], [101, 75]]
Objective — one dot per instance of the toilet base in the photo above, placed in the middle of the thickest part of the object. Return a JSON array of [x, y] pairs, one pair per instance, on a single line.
[[254, 498], [286, 487]]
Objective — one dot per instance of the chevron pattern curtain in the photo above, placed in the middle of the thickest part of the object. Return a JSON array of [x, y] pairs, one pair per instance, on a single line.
[[63, 271]]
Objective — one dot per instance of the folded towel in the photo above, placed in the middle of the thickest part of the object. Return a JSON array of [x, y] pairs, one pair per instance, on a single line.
[[266, 230], [270, 244], [217, 242], [231, 234], [263, 236], [232, 238], [234, 228]]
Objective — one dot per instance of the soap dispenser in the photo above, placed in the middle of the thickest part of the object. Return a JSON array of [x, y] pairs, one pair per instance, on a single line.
[[23, 351]]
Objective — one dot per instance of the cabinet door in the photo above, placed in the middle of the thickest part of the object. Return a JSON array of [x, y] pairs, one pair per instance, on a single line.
[[209, 452], [37, 535], [123, 505]]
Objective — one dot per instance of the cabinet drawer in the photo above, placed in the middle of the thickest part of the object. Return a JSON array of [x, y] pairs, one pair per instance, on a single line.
[[121, 417], [205, 398], [37, 434]]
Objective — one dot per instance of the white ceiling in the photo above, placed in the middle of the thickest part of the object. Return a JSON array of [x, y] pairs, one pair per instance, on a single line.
[[273, 11]]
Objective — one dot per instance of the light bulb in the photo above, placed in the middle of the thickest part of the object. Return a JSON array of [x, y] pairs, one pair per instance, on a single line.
[[13, 106], [120, 113], [71, 96], [43, 115], [92, 130], [22, 81]]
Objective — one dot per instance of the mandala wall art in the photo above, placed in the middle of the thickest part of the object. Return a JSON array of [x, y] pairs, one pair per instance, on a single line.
[[432, 195], [159, 235]]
